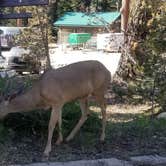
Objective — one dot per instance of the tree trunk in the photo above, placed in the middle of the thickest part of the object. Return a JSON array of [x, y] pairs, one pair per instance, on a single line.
[[124, 14], [44, 32]]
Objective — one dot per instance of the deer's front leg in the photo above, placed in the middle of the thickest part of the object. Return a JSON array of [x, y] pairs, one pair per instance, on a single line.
[[103, 111], [52, 123], [84, 111]]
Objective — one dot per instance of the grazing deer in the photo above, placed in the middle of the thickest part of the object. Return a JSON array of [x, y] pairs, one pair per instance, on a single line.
[[56, 87]]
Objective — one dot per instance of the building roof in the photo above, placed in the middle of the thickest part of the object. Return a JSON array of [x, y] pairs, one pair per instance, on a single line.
[[79, 19]]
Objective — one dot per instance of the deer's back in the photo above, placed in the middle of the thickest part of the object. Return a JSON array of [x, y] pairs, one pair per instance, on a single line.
[[74, 81]]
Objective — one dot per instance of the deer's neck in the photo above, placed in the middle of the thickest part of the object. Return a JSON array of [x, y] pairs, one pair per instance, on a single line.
[[25, 102]]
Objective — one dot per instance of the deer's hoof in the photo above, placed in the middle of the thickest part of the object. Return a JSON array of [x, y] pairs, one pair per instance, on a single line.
[[45, 157], [69, 138], [102, 138], [102, 142], [59, 141]]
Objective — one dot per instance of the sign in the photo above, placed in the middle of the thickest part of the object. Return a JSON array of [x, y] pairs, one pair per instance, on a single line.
[[10, 30], [15, 16], [13, 3], [6, 38], [112, 42]]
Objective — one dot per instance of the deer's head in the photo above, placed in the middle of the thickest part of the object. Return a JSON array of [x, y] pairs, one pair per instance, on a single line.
[[6, 96]]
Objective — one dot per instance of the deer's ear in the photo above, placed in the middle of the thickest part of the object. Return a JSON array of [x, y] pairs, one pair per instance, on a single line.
[[6, 103]]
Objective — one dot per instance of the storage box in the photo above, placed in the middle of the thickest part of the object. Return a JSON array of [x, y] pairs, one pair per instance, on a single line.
[[78, 38]]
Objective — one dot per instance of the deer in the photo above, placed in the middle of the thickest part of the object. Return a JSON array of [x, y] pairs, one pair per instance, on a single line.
[[56, 87]]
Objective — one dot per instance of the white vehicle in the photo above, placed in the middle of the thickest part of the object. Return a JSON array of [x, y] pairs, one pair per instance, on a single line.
[[13, 59]]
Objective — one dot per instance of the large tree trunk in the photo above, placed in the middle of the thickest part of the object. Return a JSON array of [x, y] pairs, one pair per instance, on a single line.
[[124, 14]]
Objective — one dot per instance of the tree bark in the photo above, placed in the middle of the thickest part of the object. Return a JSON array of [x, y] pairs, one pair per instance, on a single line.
[[124, 14], [44, 32]]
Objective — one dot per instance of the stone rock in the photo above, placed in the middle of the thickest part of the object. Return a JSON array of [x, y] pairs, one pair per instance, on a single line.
[[148, 160], [162, 115]]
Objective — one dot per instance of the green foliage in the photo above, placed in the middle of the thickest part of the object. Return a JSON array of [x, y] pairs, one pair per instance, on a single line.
[[71, 114], [142, 132], [154, 66], [37, 36], [2, 132], [147, 27], [4, 22], [2, 84]]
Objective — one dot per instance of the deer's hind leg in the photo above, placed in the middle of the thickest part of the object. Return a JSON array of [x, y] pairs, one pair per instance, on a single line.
[[102, 104], [84, 110]]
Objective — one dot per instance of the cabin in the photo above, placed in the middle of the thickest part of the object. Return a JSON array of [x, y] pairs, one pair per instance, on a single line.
[[85, 36], [92, 23]]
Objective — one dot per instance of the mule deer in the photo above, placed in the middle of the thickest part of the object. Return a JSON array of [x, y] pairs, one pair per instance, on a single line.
[[56, 87]]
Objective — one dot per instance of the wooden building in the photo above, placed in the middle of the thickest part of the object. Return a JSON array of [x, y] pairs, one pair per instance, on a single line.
[[78, 22]]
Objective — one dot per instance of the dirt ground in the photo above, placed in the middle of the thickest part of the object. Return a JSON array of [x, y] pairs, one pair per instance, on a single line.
[[128, 133]]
